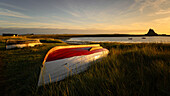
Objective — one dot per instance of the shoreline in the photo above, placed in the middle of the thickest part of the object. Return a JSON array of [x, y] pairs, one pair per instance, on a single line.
[[88, 42], [67, 36]]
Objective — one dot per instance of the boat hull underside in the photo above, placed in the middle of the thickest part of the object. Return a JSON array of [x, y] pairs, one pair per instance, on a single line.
[[57, 70]]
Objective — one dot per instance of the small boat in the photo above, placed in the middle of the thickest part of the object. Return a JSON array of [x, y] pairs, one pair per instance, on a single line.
[[63, 61], [10, 44], [143, 38], [130, 38]]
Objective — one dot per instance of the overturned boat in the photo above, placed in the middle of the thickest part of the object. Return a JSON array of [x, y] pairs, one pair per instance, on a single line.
[[22, 43], [63, 61]]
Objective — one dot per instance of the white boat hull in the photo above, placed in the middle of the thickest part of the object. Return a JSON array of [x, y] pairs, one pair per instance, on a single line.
[[57, 70], [22, 45]]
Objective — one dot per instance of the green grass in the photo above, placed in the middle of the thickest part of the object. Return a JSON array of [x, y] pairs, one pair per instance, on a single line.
[[129, 70], [21, 67]]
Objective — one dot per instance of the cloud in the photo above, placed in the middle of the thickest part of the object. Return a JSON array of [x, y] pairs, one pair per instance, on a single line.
[[163, 20], [72, 13], [6, 12], [143, 4], [66, 20], [62, 25], [11, 6], [16, 24], [161, 12]]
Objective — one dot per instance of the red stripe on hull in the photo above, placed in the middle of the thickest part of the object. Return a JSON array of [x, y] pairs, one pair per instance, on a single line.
[[71, 52]]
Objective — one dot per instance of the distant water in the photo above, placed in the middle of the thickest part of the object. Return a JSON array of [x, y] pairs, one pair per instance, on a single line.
[[151, 39]]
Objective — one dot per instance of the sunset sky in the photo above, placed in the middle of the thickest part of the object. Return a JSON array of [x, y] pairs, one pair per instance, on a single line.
[[86, 16]]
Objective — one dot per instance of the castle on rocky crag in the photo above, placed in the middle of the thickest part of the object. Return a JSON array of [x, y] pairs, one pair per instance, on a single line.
[[151, 32]]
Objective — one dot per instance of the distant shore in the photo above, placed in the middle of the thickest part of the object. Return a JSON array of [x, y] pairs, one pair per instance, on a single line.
[[68, 36]]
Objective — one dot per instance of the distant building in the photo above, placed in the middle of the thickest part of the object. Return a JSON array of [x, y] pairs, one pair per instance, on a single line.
[[8, 34], [151, 32]]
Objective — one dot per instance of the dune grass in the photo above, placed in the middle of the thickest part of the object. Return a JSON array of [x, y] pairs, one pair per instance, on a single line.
[[21, 67], [128, 70]]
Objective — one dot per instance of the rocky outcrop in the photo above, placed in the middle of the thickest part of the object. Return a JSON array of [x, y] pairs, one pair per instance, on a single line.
[[151, 32]]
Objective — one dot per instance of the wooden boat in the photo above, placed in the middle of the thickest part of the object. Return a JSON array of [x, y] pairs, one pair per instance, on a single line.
[[130, 38], [21, 43], [63, 61], [143, 38]]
